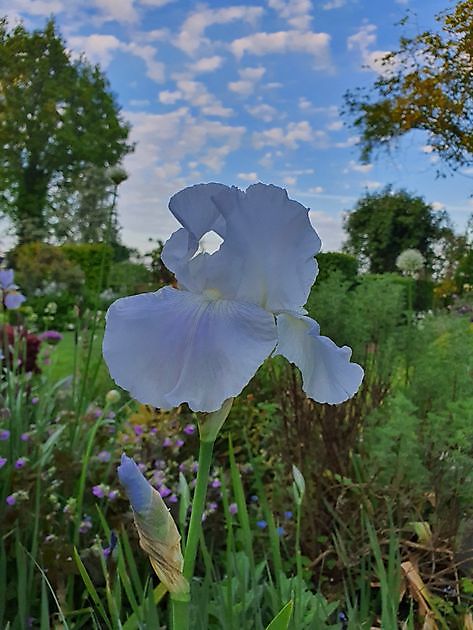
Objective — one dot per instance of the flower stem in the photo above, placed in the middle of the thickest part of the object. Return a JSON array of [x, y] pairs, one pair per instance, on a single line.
[[180, 609]]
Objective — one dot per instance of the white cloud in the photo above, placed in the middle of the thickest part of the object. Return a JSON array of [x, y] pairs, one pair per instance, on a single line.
[[438, 205], [297, 13], [361, 41], [166, 97], [317, 45], [100, 48], [34, 7], [263, 112], [304, 103], [206, 64], [371, 184], [289, 180], [248, 177], [290, 137], [351, 141], [357, 167], [334, 4], [156, 3], [117, 10], [192, 34], [427, 148], [248, 79], [97, 48], [139, 102], [316, 190], [329, 228], [336, 125]]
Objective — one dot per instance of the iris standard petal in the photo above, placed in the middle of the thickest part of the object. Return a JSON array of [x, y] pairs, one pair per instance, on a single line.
[[273, 239], [195, 208], [327, 374], [137, 487], [174, 346], [6, 278]]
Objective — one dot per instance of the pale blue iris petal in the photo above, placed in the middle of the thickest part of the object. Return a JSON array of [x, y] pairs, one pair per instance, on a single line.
[[195, 209], [14, 300], [327, 374], [272, 238], [138, 489], [6, 278], [174, 346]]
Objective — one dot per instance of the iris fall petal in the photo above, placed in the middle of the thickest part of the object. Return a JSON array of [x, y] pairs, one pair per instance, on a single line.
[[174, 346], [327, 374]]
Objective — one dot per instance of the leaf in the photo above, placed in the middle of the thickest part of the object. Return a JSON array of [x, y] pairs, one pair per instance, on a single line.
[[282, 619]]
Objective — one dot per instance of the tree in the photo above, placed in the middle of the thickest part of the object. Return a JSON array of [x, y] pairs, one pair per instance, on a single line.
[[58, 118], [384, 224], [427, 84]]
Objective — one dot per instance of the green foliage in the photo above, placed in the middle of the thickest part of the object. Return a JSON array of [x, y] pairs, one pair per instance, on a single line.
[[385, 223], [429, 87], [40, 266], [127, 278], [464, 272], [94, 259], [57, 116], [336, 261]]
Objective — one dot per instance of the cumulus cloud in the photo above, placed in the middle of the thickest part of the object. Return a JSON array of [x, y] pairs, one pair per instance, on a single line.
[[357, 167], [192, 34], [263, 111], [248, 80], [297, 13], [317, 45], [334, 4], [117, 10], [290, 136], [206, 64], [196, 94], [100, 48], [361, 42], [248, 177]]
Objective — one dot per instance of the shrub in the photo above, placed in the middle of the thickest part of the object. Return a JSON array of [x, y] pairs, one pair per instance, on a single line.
[[94, 259], [336, 261], [45, 268], [126, 278]]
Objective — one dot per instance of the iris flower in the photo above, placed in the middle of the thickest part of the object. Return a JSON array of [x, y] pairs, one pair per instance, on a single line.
[[202, 342], [11, 297]]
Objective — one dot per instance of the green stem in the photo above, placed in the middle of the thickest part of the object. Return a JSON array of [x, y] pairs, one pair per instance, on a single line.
[[180, 609]]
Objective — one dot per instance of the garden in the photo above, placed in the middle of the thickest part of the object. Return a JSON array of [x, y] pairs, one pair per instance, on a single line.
[[164, 468]]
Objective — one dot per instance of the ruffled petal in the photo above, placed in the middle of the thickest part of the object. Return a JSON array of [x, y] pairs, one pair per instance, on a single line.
[[174, 346], [327, 374], [272, 239], [13, 300]]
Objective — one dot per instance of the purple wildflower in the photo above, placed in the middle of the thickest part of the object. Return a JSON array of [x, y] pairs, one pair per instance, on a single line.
[[189, 429], [261, 524], [20, 463], [288, 515], [3, 461], [179, 443], [280, 531], [167, 442], [233, 508], [35, 400], [11, 499], [25, 437], [138, 429], [172, 498], [104, 456], [164, 491], [85, 525], [4, 435], [50, 336], [98, 491], [112, 495], [216, 483]]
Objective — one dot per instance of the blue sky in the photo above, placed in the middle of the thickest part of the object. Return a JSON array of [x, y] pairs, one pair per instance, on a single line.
[[245, 92]]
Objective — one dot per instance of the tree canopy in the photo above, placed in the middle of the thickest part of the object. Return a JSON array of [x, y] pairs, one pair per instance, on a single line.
[[58, 118], [385, 223], [427, 84]]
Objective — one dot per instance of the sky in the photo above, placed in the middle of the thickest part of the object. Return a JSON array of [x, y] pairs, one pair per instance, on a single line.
[[245, 92]]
